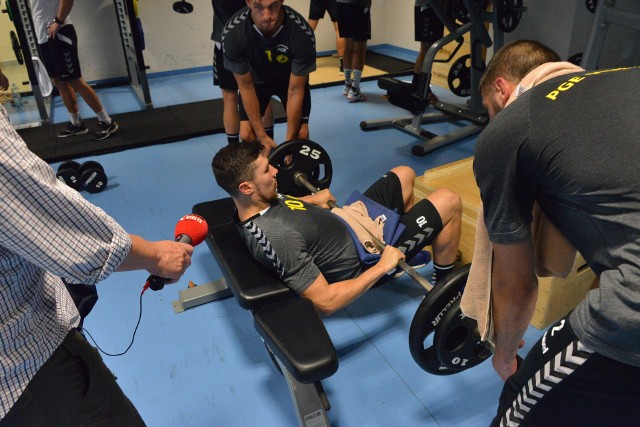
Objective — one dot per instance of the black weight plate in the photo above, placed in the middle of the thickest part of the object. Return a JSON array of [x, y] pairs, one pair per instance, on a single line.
[[68, 173], [90, 164], [459, 78], [428, 316], [457, 340], [458, 10], [92, 177], [301, 155], [15, 44], [508, 14]]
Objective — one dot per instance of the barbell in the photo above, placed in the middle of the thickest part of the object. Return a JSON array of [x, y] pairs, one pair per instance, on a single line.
[[304, 167]]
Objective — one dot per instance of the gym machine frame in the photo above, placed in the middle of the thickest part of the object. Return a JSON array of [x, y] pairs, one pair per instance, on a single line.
[[479, 39], [29, 45], [605, 15], [132, 47]]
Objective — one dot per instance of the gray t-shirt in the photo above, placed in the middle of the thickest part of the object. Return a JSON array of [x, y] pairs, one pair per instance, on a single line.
[[299, 241], [573, 144]]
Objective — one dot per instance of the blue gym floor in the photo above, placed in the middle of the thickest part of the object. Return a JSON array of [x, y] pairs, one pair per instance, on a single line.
[[207, 366]]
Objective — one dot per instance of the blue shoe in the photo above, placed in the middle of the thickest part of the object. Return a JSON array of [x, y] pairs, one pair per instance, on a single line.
[[421, 259]]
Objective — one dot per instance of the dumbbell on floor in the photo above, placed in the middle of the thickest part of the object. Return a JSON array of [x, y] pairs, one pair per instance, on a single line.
[[89, 176]]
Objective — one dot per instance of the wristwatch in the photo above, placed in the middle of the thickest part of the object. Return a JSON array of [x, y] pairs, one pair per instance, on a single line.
[[58, 21]]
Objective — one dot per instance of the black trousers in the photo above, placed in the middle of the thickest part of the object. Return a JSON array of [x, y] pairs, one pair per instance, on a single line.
[[562, 383], [73, 388]]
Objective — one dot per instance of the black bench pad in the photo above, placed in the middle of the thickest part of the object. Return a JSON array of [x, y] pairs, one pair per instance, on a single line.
[[295, 333], [288, 323], [252, 284]]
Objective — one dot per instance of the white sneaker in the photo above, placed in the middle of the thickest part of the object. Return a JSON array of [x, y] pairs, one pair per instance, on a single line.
[[345, 90], [356, 96]]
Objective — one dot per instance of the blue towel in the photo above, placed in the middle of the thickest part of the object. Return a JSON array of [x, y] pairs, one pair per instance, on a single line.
[[391, 230]]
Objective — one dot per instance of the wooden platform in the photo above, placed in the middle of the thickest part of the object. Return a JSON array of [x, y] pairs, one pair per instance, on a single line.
[[556, 297]]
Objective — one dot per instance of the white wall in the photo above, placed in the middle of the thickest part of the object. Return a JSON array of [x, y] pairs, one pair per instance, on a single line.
[[177, 42]]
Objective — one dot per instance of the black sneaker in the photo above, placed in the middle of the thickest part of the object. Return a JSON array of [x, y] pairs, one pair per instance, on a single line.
[[104, 130], [73, 130]]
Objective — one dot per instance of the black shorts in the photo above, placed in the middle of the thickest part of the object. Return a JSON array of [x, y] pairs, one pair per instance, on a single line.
[[563, 383], [354, 22], [317, 8], [422, 221], [60, 55], [264, 94], [221, 76], [428, 27]]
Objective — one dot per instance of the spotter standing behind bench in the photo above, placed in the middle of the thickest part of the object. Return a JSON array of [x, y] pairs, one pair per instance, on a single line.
[[309, 247]]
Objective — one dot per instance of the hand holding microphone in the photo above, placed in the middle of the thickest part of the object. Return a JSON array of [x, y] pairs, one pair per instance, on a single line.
[[190, 229]]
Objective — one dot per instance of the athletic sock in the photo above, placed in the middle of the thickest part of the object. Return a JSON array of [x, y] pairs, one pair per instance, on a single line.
[[269, 131], [233, 138], [75, 119], [104, 117], [355, 84], [440, 272], [347, 77]]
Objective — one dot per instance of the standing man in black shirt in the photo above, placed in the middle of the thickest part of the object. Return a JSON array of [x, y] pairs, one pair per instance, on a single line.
[[222, 11], [271, 50]]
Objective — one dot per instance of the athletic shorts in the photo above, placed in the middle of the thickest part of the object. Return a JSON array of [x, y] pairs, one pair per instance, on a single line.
[[221, 76], [264, 94], [317, 9], [428, 27], [354, 22], [561, 382], [60, 55], [422, 221]]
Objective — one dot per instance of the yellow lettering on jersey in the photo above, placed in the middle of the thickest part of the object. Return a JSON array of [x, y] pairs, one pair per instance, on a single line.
[[268, 52], [282, 59], [295, 205]]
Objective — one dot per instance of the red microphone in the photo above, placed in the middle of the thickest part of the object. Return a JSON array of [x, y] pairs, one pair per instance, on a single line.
[[191, 229]]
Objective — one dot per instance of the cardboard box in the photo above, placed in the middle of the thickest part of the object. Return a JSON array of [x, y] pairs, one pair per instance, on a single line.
[[556, 297]]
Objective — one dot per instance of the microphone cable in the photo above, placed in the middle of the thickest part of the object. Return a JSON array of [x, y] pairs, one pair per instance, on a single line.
[[146, 286]]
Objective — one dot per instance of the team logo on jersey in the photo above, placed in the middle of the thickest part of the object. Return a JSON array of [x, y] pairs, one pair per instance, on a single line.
[[282, 54]]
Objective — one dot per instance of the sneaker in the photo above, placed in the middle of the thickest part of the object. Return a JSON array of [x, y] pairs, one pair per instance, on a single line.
[[104, 130], [356, 96], [345, 90], [73, 130], [421, 259]]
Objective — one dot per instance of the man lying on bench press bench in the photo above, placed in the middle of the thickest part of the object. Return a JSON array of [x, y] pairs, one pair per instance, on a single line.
[[310, 248]]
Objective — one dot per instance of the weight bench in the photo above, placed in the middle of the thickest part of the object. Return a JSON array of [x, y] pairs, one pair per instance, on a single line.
[[289, 325]]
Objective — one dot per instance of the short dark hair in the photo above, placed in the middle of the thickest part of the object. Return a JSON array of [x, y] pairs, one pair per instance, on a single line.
[[515, 60], [232, 164]]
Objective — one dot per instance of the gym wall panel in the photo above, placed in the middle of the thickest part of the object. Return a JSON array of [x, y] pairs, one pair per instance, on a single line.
[[6, 53], [564, 26], [99, 45]]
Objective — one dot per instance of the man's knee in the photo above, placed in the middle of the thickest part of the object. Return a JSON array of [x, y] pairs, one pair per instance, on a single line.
[[448, 203]]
